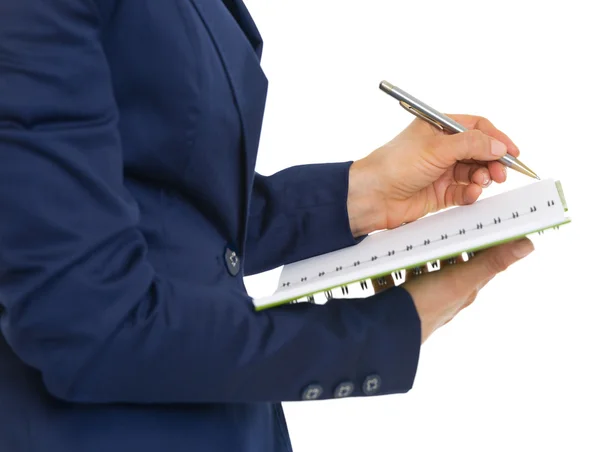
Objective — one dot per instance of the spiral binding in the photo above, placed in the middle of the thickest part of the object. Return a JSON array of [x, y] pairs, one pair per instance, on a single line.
[[372, 286], [381, 283]]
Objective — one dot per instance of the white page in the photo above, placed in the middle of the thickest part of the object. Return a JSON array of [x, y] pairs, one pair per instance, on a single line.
[[449, 233]]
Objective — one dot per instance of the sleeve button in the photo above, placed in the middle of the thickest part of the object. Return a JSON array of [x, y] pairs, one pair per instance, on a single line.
[[344, 389], [371, 385], [312, 392]]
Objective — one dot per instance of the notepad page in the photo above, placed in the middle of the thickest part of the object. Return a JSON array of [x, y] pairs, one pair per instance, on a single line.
[[508, 215]]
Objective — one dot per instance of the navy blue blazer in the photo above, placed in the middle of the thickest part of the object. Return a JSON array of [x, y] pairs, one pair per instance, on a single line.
[[130, 213]]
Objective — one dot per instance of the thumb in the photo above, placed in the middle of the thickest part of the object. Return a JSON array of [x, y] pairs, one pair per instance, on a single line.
[[471, 144], [488, 263]]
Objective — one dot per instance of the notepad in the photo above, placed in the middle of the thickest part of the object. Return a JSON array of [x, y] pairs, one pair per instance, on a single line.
[[428, 241]]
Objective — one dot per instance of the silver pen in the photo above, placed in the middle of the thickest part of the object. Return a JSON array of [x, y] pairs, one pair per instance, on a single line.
[[444, 123]]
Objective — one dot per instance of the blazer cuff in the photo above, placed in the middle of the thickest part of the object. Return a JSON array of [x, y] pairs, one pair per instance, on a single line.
[[320, 199]]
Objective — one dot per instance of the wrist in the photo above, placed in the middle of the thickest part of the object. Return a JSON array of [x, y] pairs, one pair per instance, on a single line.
[[365, 212]]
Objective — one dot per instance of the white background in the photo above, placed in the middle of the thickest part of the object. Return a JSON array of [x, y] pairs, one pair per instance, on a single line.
[[519, 369]]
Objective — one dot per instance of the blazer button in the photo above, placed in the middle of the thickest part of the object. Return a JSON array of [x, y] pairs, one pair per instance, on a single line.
[[344, 389], [371, 385], [232, 262], [312, 392]]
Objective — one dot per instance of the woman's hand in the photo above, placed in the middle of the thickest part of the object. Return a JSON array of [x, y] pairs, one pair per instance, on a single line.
[[441, 295], [423, 170]]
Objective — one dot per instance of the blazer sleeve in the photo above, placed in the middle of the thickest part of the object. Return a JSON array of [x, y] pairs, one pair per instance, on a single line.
[[297, 213], [81, 302]]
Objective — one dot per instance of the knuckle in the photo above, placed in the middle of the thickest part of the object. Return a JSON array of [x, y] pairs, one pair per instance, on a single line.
[[471, 298], [486, 123], [483, 122]]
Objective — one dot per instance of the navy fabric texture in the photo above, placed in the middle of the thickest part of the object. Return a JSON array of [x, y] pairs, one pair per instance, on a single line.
[[128, 140]]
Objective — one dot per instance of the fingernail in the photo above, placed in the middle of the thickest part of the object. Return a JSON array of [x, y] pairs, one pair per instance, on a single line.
[[522, 248], [486, 180], [498, 148]]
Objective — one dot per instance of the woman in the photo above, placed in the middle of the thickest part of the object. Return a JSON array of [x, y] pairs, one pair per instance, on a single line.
[[131, 212]]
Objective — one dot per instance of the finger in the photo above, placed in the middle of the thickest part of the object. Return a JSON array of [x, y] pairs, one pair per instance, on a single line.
[[446, 150], [488, 263], [473, 295], [497, 172], [462, 195], [467, 173], [470, 299], [485, 125], [482, 177]]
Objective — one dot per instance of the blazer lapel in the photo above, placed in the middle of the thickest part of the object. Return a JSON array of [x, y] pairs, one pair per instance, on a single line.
[[240, 53], [244, 19]]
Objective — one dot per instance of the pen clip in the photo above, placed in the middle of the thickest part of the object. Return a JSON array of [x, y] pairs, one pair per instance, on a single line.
[[420, 115]]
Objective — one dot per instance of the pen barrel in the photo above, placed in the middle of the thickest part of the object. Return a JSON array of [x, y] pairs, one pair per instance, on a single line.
[[449, 124], [509, 161], [443, 122]]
